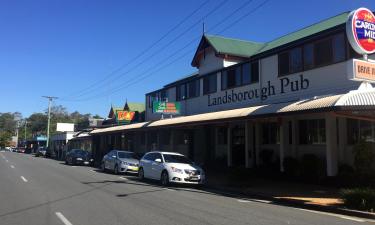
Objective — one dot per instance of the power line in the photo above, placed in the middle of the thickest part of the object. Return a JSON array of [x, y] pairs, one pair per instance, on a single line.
[[126, 84], [145, 50], [158, 51]]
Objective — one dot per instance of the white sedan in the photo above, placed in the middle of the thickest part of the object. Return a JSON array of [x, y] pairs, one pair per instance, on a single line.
[[170, 167]]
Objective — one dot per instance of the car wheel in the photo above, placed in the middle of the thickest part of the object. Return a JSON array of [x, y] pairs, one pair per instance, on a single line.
[[115, 170], [141, 174], [66, 162], [164, 178], [103, 167]]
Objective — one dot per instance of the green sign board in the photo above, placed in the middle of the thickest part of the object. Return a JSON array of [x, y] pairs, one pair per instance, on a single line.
[[166, 107]]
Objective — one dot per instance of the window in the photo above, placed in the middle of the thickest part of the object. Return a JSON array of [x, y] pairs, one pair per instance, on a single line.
[[323, 52], [312, 131], [308, 56], [246, 73], [163, 95], [254, 72], [360, 130], [338, 48], [151, 99], [181, 92], [209, 84], [231, 77], [319, 53], [222, 135], [270, 133], [290, 61], [295, 60], [283, 63], [193, 89]]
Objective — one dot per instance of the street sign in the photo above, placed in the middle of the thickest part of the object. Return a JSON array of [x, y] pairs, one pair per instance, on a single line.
[[166, 107]]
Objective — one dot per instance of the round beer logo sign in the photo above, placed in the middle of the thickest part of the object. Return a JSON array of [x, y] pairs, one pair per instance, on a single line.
[[360, 29]]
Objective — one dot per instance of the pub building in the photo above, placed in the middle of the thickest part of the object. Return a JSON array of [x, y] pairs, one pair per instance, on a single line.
[[302, 93]]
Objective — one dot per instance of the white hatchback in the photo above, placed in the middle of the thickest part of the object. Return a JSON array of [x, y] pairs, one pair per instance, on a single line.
[[170, 167]]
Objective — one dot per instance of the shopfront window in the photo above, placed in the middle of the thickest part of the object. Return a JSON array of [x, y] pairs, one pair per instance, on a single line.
[[312, 131], [360, 130], [222, 135], [270, 133], [338, 43]]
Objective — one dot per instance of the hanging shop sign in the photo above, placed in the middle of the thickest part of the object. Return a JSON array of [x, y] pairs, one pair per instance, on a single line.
[[360, 30], [166, 107], [124, 116], [360, 70]]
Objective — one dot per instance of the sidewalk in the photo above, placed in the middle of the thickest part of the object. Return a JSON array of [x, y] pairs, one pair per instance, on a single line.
[[294, 194]]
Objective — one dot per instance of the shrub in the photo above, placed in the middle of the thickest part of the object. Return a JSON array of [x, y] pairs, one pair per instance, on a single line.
[[291, 167], [364, 157], [359, 198]]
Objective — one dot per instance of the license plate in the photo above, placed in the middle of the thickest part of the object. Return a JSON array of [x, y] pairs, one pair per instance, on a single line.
[[86, 163], [194, 178], [133, 168]]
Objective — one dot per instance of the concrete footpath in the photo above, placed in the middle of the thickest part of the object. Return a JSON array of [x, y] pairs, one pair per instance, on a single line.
[[306, 196]]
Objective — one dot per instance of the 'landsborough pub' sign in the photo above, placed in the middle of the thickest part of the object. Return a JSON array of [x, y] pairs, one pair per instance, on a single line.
[[360, 30], [286, 85]]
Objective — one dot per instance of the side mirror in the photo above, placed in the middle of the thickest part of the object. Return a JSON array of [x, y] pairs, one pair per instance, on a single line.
[[158, 160]]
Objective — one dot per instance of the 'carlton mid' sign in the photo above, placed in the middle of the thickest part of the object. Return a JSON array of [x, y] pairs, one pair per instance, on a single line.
[[360, 29]]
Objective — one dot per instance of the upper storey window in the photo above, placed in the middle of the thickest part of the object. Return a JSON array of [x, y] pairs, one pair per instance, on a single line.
[[323, 52]]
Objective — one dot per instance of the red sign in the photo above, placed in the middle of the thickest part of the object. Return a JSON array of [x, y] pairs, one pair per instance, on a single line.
[[125, 116], [360, 29]]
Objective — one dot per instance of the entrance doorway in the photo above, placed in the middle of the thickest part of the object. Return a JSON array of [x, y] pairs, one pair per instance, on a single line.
[[238, 146]]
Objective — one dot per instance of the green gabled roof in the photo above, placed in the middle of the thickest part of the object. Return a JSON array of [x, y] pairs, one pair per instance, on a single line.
[[235, 47], [241, 48], [307, 31], [135, 106]]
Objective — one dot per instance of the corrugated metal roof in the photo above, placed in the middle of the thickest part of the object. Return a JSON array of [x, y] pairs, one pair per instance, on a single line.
[[358, 98]]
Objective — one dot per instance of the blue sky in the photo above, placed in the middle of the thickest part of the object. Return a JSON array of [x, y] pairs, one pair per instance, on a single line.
[[85, 52]]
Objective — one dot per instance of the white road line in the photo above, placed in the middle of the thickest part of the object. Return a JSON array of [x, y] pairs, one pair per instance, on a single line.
[[123, 178], [241, 200], [63, 219], [7, 160], [24, 179], [11, 166], [336, 215]]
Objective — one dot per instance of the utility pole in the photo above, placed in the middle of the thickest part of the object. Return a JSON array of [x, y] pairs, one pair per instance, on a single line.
[[25, 133], [50, 99]]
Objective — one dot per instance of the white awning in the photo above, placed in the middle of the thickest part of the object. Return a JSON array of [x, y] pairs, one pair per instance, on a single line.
[[353, 98]]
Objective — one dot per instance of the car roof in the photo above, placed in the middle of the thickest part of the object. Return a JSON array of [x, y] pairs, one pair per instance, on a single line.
[[122, 151], [168, 153]]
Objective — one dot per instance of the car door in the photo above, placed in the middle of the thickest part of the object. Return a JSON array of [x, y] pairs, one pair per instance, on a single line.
[[146, 162], [157, 167]]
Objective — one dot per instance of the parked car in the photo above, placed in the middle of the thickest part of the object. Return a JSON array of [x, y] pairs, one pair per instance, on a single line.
[[170, 167], [41, 151], [78, 157], [21, 150], [120, 162]]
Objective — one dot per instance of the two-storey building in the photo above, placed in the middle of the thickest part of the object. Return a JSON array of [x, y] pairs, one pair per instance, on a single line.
[[285, 98]]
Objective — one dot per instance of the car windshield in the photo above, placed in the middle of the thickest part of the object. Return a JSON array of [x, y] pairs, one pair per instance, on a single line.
[[81, 152], [127, 155], [170, 158]]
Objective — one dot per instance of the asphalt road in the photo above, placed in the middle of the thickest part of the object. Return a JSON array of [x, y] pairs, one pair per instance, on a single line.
[[37, 191]]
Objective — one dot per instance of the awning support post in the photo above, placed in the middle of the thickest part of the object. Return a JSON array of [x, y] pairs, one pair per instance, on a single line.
[[331, 145]]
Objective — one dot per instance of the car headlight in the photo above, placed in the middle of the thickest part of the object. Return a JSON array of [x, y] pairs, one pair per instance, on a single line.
[[176, 170]]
